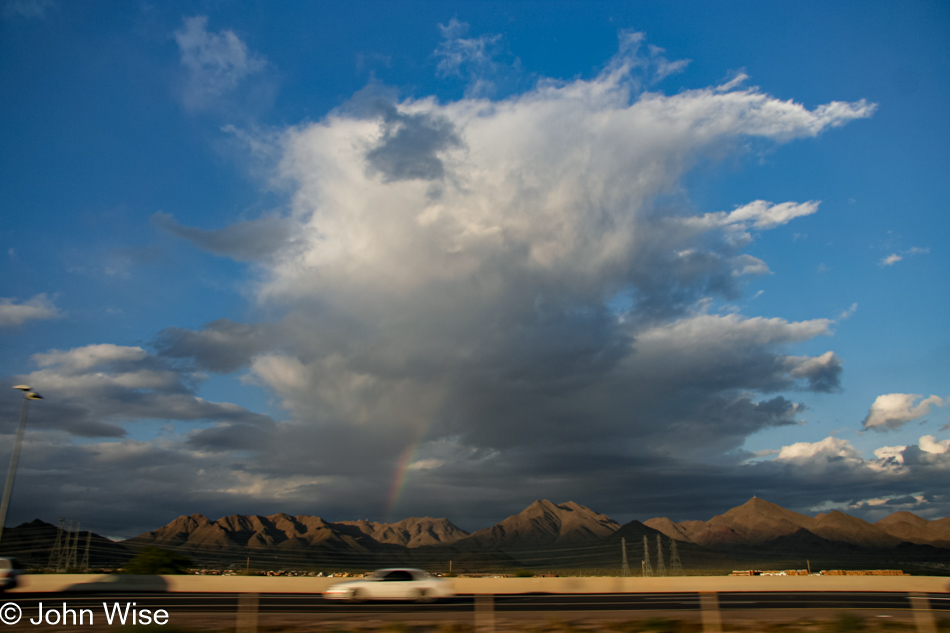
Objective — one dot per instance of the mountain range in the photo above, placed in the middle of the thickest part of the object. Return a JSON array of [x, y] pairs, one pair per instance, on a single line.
[[543, 535], [757, 522]]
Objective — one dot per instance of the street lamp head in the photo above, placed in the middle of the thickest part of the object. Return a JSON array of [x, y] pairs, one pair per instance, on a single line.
[[22, 387], [32, 395]]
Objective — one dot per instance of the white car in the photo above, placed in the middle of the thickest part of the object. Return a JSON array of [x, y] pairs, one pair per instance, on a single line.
[[392, 584], [9, 573]]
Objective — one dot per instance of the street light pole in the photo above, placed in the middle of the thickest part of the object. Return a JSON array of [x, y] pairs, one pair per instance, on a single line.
[[28, 395]]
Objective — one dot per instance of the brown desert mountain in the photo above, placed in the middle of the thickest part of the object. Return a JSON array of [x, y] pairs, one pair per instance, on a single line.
[[913, 529], [757, 522], [544, 523], [841, 527], [33, 544], [411, 532], [282, 531]]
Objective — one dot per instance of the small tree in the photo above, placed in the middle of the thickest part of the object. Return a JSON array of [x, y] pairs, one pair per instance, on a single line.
[[153, 561]]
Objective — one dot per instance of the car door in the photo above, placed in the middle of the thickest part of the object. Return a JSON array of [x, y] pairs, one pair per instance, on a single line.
[[396, 585]]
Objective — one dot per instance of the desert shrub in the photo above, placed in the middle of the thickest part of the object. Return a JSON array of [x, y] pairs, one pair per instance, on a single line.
[[153, 561]]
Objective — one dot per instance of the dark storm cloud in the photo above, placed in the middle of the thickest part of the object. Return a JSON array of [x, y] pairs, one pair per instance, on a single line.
[[222, 346], [53, 415], [410, 145], [90, 391], [232, 437], [822, 373], [252, 240]]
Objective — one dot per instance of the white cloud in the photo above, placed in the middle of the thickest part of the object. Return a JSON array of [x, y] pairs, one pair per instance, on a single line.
[[828, 449], [426, 464], [891, 453], [929, 444], [448, 285], [758, 214], [83, 358], [713, 336], [455, 51], [265, 487], [893, 258], [847, 314], [895, 464], [740, 78], [38, 308], [216, 62], [894, 410], [554, 185]]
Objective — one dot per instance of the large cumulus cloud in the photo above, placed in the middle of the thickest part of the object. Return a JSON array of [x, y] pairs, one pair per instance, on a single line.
[[493, 287], [506, 299]]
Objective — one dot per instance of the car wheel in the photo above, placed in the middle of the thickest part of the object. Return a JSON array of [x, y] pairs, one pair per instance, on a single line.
[[424, 595], [357, 596]]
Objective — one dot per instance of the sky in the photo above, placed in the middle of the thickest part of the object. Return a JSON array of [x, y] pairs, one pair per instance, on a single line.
[[380, 260]]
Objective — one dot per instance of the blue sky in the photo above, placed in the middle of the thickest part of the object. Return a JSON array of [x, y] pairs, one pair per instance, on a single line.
[[433, 258]]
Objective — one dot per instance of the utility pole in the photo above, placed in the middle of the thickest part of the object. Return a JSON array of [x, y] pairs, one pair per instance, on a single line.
[[28, 394]]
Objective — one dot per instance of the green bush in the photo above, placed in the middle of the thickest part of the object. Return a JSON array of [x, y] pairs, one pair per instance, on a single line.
[[524, 573], [153, 561]]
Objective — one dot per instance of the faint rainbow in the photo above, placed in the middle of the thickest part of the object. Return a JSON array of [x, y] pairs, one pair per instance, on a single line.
[[399, 479], [401, 476]]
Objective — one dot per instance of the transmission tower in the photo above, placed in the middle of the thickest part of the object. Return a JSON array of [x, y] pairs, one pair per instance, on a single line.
[[71, 562], [85, 556], [675, 563], [625, 567], [660, 565], [56, 555], [647, 567]]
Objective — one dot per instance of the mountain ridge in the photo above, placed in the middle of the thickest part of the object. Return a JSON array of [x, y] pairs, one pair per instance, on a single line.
[[758, 521], [542, 524], [543, 534]]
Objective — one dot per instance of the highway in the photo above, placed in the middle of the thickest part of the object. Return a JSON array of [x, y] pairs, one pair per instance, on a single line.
[[263, 608]]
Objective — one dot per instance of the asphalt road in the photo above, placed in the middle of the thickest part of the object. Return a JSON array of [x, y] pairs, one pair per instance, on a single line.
[[463, 608]]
